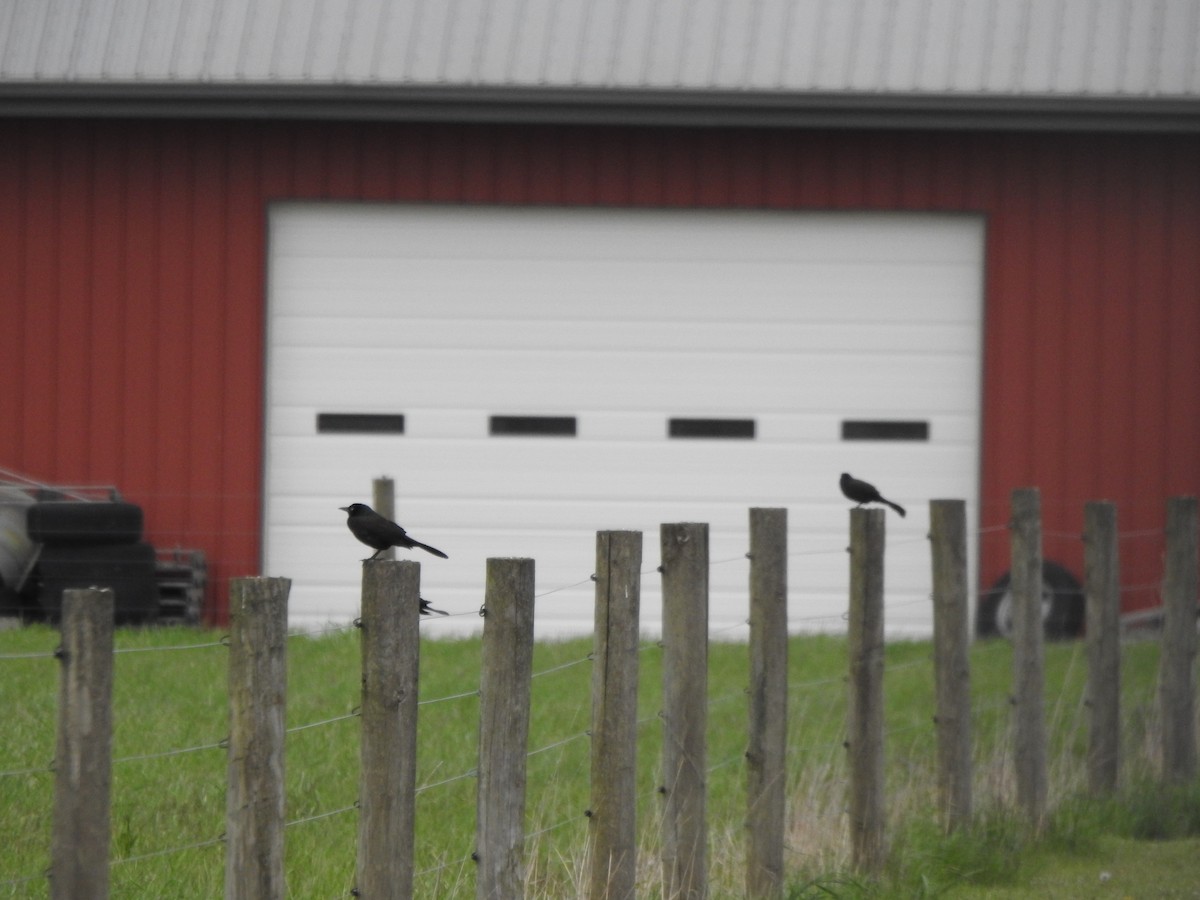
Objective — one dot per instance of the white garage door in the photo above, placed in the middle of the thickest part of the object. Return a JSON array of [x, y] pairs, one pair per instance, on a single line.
[[529, 376]]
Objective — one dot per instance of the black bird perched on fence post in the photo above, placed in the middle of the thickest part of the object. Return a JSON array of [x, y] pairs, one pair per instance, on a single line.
[[379, 533], [861, 492]]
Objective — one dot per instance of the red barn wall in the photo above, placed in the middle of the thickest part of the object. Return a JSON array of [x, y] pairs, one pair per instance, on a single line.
[[132, 284]]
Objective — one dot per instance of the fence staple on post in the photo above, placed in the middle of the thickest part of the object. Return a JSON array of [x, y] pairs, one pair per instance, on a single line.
[[83, 759], [865, 709], [1102, 589], [767, 743], [685, 710], [504, 691], [257, 701], [391, 643], [951, 659]]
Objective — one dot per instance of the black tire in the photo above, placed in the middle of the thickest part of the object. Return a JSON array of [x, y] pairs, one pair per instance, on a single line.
[[10, 602], [129, 569], [70, 522], [1063, 607]]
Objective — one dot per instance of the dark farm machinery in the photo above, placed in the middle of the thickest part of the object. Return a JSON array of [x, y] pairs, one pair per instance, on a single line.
[[56, 537]]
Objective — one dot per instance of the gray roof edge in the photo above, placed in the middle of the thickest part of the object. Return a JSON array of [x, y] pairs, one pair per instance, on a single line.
[[639, 106]]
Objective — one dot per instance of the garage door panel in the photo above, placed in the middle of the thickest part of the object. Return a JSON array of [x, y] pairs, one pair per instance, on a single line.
[[545, 233], [751, 479], [504, 382], [599, 335], [702, 475], [476, 469], [946, 428], [622, 319], [628, 292]]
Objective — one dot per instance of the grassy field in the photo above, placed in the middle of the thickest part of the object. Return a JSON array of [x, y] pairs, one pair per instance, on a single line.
[[169, 792]]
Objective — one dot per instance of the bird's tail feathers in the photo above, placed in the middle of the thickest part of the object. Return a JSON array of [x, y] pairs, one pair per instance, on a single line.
[[896, 506], [436, 552], [426, 609]]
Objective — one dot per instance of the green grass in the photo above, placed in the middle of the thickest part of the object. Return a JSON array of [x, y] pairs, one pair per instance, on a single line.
[[168, 811]]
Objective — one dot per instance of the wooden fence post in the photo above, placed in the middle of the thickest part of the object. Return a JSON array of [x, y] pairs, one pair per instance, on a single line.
[[1028, 654], [504, 692], [83, 759], [951, 659], [391, 642], [865, 711], [383, 500], [1177, 704], [257, 700], [1102, 588], [767, 744], [684, 550], [614, 716]]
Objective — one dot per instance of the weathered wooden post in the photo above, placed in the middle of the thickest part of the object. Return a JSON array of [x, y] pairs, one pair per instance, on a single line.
[[1028, 654], [391, 647], [1102, 588], [951, 659], [765, 772], [865, 712], [383, 501], [1177, 703], [613, 864], [83, 759], [504, 694], [257, 695], [685, 710]]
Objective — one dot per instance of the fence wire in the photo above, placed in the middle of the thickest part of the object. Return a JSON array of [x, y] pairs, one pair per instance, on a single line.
[[1062, 706]]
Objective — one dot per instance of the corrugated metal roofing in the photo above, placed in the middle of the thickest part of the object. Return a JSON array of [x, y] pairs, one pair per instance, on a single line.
[[989, 48]]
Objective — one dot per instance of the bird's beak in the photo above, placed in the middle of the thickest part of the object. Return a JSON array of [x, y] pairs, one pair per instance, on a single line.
[[344, 508]]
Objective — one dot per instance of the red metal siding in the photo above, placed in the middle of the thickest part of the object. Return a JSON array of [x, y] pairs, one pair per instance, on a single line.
[[132, 262]]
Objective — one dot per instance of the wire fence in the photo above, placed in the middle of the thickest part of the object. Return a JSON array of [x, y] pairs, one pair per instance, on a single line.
[[1067, 712]]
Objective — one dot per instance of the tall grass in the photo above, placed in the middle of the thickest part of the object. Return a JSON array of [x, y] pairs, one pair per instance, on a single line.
[[168, 810]]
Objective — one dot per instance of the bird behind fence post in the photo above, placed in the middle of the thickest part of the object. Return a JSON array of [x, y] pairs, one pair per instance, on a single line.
[[427, 610], [379, 533], [861, 492]]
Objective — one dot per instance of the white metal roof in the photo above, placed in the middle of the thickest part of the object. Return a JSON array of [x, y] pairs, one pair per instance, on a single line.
[[766, 51]]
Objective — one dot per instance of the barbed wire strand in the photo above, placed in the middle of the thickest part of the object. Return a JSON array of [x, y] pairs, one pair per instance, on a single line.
[[470, 773], [353, 714], [448, 697], [566, 587], [726, 763], [25, 879], [561, 666], [36, 770], [555, 827], [304, 820], [220, 839], [223, 642], [454, 862], [556, 744], [37, 654], [222, 744]]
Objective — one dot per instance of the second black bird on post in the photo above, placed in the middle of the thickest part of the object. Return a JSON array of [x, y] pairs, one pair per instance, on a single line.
[[861, 492], [379, 533]]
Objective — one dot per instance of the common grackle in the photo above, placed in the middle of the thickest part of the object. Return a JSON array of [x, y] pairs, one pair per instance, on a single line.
[[379, 533], [861, 492]]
